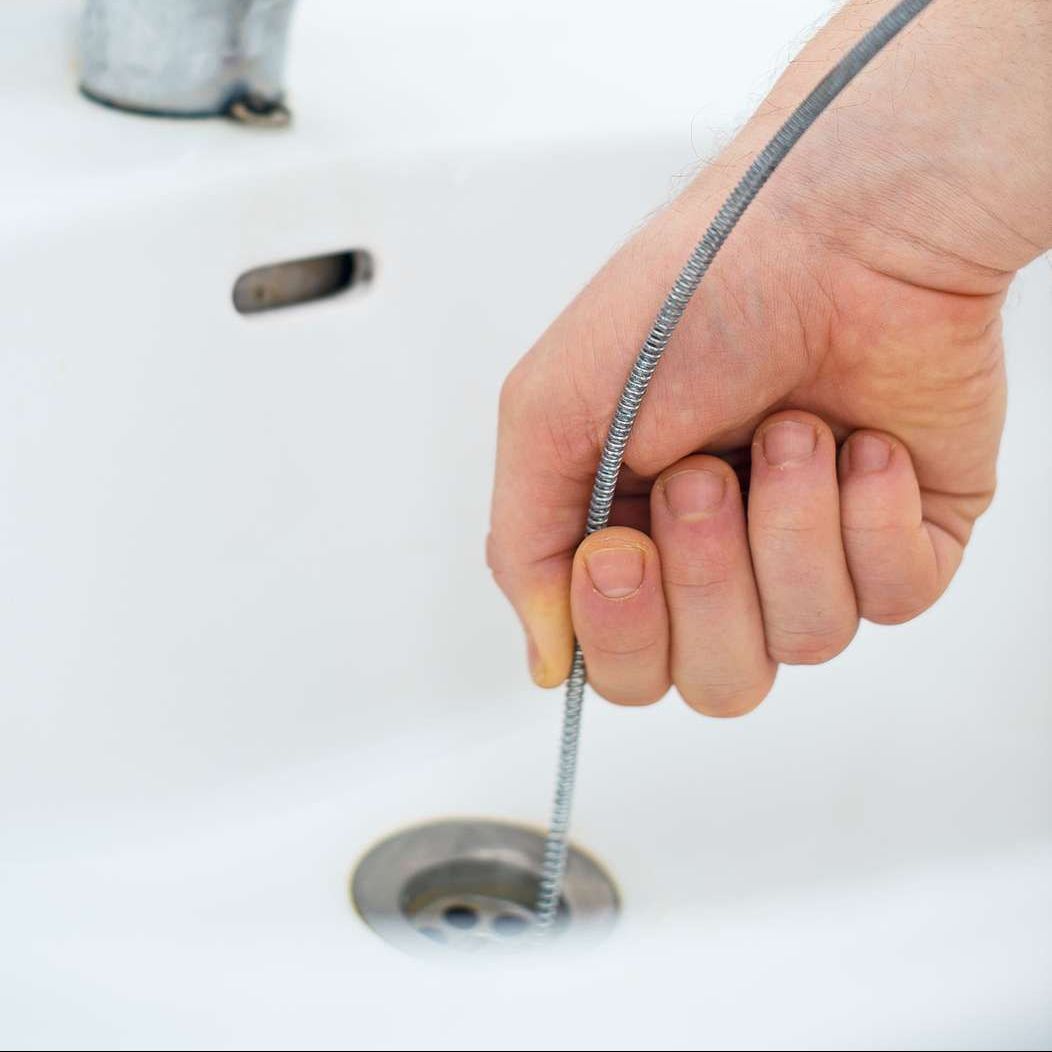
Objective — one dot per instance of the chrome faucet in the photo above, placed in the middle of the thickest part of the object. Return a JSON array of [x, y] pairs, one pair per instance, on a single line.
[[187, 58]]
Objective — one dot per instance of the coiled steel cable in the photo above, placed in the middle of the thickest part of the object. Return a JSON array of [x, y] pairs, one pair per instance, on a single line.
[[684, 287]]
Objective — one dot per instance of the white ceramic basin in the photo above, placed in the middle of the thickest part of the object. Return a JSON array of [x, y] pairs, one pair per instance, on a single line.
[[246, 629]]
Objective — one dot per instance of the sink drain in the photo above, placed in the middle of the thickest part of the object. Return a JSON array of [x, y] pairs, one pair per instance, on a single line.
[[471, 885]]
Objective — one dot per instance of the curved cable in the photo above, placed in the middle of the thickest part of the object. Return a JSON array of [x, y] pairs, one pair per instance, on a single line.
[[684, 287]]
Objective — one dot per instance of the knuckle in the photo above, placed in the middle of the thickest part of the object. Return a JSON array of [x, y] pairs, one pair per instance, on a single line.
[[800, 415], [496, 562], [890, 617], [809, 646], [512, 391], [633, 695], [623, 645], [887, 601], [727, 700], [788, 528], [869, 526], [894, 611], [705, 461], [555, 418], [697, 578], [797, 521]]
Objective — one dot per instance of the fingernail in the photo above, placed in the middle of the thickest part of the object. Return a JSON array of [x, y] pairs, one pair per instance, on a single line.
[[788, 442], [691, 494], [615, 572], [868, 453]]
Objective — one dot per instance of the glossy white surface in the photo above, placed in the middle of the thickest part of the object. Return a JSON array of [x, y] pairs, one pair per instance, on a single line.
[[245, 625]]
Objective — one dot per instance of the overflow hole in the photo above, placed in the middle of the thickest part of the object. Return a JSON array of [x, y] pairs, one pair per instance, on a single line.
[[301, 281]]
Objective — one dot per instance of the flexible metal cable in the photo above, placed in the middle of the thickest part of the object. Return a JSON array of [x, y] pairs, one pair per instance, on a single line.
[[555, 845]]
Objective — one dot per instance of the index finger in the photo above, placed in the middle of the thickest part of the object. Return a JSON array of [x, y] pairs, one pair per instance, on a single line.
[[546, 456]]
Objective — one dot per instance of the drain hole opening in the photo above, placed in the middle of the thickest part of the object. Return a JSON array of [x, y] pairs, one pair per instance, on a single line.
[[461, 917], [509, 924], [465, 889]]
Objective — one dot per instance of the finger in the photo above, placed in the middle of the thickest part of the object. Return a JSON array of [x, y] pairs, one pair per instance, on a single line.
[[808, 602], [539, 594], [899, 563], [718, 654], [619, 614], [538, 514]]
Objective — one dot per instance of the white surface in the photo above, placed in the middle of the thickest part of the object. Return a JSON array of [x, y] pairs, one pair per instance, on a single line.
[[245, 631]]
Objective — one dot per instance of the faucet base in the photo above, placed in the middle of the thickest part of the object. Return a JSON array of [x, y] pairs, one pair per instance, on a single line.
[[197, 58]]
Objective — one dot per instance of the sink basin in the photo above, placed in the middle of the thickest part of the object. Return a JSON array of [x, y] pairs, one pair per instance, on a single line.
[[246, 629]]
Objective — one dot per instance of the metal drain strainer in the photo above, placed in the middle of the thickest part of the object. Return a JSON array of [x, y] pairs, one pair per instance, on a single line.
[[471, 884]]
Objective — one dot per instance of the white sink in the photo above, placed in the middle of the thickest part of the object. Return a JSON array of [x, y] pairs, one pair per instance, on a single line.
[[246, 629]]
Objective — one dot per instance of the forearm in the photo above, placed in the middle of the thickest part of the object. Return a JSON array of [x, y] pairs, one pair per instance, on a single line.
[[937, 161]]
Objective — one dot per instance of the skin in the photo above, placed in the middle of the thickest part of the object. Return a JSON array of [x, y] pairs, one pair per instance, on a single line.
[[842, 362]]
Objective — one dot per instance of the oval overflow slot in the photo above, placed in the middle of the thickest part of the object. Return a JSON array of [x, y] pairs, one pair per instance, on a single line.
[[298, 281]]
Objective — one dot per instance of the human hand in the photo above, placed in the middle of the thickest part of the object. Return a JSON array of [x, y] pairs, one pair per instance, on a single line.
[[856, 306]]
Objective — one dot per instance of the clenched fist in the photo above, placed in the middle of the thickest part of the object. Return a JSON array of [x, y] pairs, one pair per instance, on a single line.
[[822, 432]]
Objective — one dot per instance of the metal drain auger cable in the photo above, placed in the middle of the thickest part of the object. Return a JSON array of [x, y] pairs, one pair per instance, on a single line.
[[555, 845]]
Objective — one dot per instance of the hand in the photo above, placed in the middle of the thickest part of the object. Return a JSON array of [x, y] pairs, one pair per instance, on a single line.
[[842, 361]]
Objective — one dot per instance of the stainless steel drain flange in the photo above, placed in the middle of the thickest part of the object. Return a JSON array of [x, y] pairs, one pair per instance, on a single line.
[[471, 885]]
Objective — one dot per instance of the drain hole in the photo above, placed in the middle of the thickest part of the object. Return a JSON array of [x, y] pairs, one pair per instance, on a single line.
[[509, 924], [464, 888], [471, 885], [301, 281], [461, 917]]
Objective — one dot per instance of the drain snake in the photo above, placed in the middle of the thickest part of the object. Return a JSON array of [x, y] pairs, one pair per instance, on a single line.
[[668, 317]]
